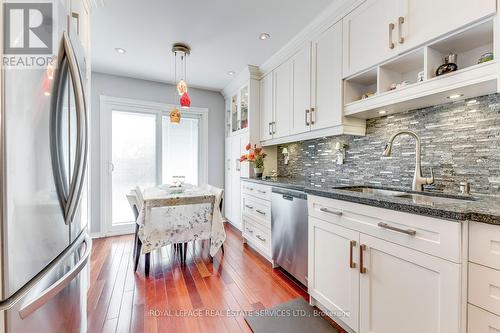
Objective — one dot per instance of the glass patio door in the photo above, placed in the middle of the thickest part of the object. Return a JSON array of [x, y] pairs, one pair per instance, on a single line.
[[134, 161], [141, 147]]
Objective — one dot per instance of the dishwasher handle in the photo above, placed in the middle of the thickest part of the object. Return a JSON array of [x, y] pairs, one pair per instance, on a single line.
[[287, 197]]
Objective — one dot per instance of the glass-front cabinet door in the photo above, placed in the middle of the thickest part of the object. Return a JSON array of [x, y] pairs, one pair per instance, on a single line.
[[244, 107], [234, 114]]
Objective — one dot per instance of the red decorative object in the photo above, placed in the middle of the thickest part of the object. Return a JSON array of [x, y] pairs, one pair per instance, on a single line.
[[185, 101]]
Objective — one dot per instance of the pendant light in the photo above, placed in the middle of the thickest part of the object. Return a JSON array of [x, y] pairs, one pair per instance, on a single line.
[[182, 51]]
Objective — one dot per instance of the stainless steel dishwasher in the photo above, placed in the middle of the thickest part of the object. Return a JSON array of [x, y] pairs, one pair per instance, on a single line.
[[289, 231]]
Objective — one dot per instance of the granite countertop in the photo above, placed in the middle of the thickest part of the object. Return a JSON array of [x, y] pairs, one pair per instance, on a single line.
[[484, 208]]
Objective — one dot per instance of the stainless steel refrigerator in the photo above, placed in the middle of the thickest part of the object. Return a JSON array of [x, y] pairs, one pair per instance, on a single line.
[[43, 157]]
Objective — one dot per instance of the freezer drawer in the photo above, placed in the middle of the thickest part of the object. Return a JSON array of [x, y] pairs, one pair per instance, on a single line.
[[56, 299]]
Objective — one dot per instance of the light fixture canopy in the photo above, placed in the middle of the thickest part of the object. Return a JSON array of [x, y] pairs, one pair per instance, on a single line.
[[264, 36]]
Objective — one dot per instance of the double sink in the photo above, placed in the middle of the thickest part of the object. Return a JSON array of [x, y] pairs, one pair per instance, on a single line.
[[420, 197]]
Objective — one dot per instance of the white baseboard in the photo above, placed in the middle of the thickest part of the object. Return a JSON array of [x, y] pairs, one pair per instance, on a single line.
[[95, 235]]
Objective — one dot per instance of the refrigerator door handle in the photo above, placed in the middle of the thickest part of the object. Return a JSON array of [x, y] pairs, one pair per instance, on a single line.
[[77, 183], [60, 284], [60, 176], [69, 198]]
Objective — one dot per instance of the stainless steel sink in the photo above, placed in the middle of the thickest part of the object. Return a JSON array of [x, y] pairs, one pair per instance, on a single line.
[[372, 190], [428, 198]]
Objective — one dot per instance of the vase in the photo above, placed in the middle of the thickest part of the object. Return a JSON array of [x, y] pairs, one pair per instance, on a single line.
[[258, 172]]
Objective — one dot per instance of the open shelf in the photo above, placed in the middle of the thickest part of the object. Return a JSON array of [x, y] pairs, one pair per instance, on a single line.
[[364, 83], [471, 79], [468, 45]]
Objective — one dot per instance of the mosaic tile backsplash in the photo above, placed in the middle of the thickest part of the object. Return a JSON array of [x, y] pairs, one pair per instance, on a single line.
[[460, 141]]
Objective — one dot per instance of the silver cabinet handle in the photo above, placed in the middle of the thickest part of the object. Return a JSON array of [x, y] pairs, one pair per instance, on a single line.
[[391, 28], [249, 207], [401, 20], [270, 129], [307, 117], [313, 116], [250, 231], [273, 124], [260, 212], [352, 244], [260, 191], [60, 284], [260, 238], [390, 227], [334, 212]]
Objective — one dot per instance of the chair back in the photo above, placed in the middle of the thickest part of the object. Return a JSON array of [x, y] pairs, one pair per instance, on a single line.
[[134, 203], [217, 192], [140, 197]]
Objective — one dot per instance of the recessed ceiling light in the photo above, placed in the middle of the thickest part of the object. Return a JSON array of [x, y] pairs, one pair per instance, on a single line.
[[120, 50], [382, 112], [455, 96], [472, 101], [231, 73], [264, 36]]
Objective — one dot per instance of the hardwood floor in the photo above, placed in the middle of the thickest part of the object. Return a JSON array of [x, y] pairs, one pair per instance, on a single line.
[[176, 298]]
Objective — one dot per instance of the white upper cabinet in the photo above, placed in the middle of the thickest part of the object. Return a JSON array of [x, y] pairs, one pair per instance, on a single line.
[[282, 100], [369, 34], [266, 107], [378, 30], [301, 90], [326, 90], [422, 20]]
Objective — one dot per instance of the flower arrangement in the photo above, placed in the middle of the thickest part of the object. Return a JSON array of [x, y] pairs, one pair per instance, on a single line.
[[256, 156]]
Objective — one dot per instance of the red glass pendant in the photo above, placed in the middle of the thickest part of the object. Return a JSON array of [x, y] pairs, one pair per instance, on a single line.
[[185, 101]]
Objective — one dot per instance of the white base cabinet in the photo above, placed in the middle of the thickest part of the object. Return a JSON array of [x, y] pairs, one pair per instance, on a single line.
[[371, 279], [403, 290], [333, 277]]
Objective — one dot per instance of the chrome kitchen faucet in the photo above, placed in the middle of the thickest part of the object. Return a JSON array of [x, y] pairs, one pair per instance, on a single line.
[[418, 180]]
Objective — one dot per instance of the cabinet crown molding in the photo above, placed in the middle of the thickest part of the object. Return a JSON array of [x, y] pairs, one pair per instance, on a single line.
[[249, 72]]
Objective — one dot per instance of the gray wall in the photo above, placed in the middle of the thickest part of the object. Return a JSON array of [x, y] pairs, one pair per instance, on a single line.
[[460, 141], [116, 86]]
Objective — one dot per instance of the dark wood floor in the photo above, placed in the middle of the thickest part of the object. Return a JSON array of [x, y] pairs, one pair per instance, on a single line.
[[178, 298]]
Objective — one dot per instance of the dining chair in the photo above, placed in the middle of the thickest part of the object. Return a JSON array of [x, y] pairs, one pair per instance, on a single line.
[[219, 200], [139, 199], [133, 202]]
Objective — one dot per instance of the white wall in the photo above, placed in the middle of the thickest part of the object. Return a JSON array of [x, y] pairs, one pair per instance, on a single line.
[[117, 86]]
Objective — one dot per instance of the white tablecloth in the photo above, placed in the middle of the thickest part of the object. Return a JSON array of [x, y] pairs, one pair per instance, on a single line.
[[168, 218]]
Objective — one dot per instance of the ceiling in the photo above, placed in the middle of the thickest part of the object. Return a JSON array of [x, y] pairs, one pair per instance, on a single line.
[[223, 35]]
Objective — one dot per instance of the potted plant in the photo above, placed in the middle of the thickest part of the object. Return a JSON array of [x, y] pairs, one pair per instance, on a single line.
[[255, 156]]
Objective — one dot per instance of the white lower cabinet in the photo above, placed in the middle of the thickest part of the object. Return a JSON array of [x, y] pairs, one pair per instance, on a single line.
[[376, 284], [403, 290], [333, 277], [481, 321]]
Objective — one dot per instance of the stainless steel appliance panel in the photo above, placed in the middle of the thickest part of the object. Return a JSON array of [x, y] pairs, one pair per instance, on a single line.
[[289, 231], [34, 231], [57, 302]]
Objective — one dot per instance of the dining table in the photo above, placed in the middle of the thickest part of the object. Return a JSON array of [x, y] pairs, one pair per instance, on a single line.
[[180, 215]]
